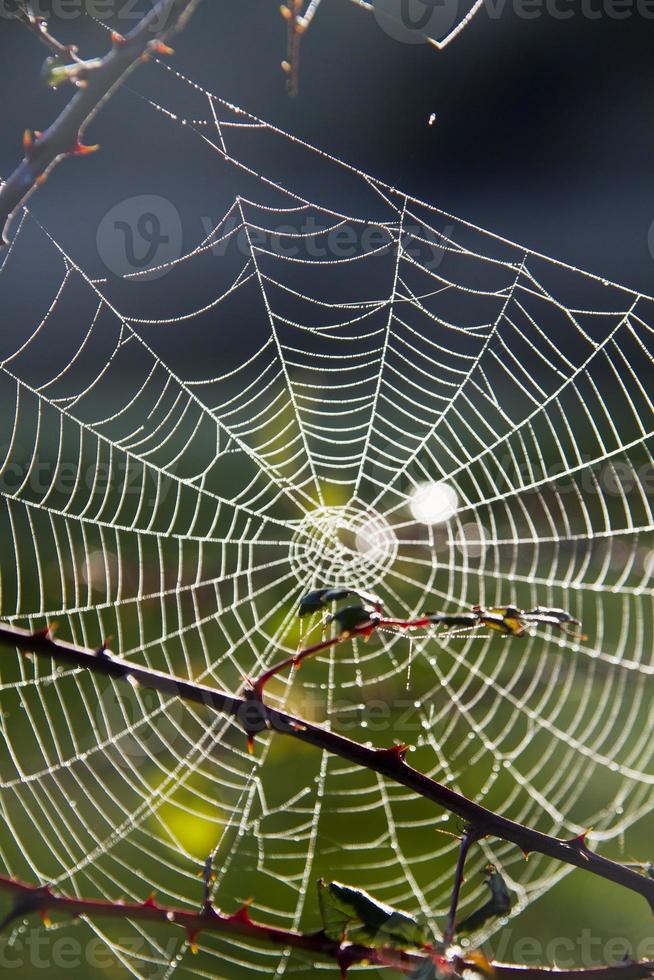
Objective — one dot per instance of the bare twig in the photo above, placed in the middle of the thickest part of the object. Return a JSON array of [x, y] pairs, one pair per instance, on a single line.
[[255, 716], [39, 27], [291, 12], [63, 137], [469, 836]]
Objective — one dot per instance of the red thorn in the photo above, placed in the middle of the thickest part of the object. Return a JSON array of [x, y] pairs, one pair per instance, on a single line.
[[150, 903], [250, 744], [28, 141], [117, 39], [104, 646], [191, 935], [396, 753], [579, 841], [345, 960], [243, 915], [80, 150], [47, 633], [45, 918], [160, 48], [526, 854]]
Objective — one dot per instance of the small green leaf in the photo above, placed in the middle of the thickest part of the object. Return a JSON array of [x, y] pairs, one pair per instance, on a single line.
[[498, 904], [365, 919]]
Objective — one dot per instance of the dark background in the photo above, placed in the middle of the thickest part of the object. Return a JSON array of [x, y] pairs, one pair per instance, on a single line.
[[544, 126]]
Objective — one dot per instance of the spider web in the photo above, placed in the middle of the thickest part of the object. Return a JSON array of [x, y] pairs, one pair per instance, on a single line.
[[184, 455]]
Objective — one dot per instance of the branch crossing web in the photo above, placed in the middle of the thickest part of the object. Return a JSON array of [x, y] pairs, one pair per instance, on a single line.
[[332, 383]]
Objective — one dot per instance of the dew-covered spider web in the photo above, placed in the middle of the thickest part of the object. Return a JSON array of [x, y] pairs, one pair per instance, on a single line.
[[189, 448]]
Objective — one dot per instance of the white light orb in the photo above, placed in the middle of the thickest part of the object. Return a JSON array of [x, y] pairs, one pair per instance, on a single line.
[[473, 540], [433, 502]]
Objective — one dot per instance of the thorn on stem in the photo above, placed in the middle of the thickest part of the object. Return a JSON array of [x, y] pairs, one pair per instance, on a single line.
[[104, 646], [395, 753], [345, 960], [150, 902], [36, 901], [48, 633], [81, 150], [158, 47], [580, 843], [243, 914]]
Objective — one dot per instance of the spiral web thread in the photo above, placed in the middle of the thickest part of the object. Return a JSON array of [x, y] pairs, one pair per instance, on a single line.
[[177, 479]]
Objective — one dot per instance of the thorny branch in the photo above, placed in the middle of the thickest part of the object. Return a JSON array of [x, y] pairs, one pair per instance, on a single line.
[[31, 899], [39, 27], [468, 838], [255, 716], [63, 138]]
